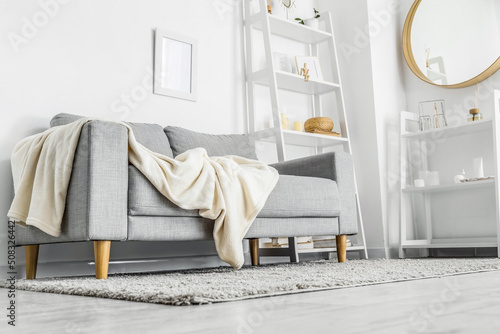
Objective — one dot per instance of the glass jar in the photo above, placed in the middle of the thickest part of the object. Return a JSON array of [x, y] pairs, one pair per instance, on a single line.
[[474, 115], [425, 123], [439, 121]]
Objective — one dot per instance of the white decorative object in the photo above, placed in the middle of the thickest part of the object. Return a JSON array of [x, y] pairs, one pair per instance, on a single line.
[[312, 23], [424, 175], [460, 177], [282, 62], [419, 183], [288, 5], [175, 65], [433, 179], [478, 167]]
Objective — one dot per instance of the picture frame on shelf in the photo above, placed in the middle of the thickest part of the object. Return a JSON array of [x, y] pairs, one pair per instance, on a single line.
[[282, 62], [312, 64]]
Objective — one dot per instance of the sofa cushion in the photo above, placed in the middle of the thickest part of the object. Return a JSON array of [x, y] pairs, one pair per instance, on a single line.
[[293, 196], [182, 140], [149, 135], [63, 119], [152, 136]]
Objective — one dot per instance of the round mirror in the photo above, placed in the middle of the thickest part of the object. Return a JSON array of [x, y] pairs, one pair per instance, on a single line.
[[453, 43]]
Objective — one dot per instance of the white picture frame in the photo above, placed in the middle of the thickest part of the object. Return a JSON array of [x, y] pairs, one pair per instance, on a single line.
[[282, 62], [175, 65], [312, 65]]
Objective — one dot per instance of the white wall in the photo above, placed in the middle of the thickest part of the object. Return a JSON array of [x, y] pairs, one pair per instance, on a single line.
[[350, 20], [390, 99], [90, 57]]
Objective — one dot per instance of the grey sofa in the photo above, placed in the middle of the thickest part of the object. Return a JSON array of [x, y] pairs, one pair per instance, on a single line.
[[110, 200]]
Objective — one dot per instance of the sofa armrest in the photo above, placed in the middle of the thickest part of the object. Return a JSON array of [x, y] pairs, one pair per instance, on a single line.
[[96, 202], [336, 166], [107, 181]]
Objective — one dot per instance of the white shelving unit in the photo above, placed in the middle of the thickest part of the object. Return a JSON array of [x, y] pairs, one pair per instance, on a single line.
[[278, 80], [408, 192]]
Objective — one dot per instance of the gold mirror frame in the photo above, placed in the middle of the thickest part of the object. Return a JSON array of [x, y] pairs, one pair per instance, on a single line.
[[410, 60]]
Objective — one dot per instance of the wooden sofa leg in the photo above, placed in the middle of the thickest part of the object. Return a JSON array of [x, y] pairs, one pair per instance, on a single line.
[[101, 255], [254, 251], [341, 247], [31, 260]]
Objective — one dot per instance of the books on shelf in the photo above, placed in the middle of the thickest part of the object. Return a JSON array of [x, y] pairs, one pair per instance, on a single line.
[[328, 242], [304, 242]]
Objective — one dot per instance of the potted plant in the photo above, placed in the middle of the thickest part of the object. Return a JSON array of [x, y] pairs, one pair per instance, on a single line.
[[312, 22]]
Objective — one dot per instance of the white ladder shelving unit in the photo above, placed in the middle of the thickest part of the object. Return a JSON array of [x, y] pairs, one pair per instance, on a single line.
[[278, 80]]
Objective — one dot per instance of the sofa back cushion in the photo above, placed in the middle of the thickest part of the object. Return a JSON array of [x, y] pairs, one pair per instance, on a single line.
[[149, 135], [182, 140]]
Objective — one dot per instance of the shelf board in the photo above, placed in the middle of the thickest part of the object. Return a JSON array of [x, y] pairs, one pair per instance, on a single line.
[[295, 83], [455, 245], [328, 250], [451, 131], [306, 139], [294, 31], [450, 187]]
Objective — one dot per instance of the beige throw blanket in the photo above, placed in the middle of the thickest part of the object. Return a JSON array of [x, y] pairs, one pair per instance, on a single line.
[[230, 190]]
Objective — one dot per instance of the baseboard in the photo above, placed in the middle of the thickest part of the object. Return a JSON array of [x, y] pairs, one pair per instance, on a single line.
[[85, 268], [377, 253]]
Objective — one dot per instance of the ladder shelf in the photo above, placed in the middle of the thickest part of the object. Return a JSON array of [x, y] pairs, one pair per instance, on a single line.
[[276, 80]]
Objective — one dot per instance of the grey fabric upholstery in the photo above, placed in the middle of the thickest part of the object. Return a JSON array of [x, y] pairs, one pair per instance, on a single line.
[[293, 196], [336, 166], [192, 228], [110, 200], [63, 119], [182, 140], [153, 137], [149, 135], [96, 205]]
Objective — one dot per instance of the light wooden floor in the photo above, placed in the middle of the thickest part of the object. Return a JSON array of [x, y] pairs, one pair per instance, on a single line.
[[456, 304]]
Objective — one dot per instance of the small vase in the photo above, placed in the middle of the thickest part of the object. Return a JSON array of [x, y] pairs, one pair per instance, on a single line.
[[312, 23]]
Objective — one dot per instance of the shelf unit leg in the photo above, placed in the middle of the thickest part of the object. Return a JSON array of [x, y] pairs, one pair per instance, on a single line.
[[294, 254], [402, 253]]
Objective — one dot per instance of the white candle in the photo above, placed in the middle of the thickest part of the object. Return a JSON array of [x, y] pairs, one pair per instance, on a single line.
[[478, 167], [297, 126], [433, 179], [419, 183]]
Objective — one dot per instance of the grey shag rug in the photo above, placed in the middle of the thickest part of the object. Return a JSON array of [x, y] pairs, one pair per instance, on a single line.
[[205, 286]]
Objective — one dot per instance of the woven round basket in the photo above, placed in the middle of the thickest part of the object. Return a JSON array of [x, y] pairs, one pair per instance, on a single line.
[[319, 124]]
